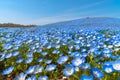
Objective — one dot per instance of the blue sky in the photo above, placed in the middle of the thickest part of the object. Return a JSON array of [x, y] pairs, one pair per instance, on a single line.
[[50, 11]]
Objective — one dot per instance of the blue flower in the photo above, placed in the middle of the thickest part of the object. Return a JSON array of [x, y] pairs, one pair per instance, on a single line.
[[75, 54], [108, 63], [19, 60], [62, 59], [51, 67], [21, 76], [8, 70], [107, 51], [77, 69], [38, 69], [97, 73], [116, 65], [29, 60], [40, 60], [84, 77], [85, 66], [33, 77], [68, 70], [8, 55], [2, 57], [44, 53], [108, 68], [43, 78], [15, 54], [48, 46], [48, 61], [30, 70], [57, 46], [30, 54], [77, 61], [7, 46], [77, 41], [108, 55], [56, 52]]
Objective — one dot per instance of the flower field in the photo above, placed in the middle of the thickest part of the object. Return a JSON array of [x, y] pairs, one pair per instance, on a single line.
[[60, 54]]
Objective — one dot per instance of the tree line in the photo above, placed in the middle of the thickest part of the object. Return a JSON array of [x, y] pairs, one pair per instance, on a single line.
[[15, 25]]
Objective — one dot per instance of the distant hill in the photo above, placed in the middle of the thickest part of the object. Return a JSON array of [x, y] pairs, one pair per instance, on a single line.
[[89, 22], [15, 25]]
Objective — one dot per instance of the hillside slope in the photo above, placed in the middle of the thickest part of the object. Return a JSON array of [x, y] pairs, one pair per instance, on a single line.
[[89, 22]]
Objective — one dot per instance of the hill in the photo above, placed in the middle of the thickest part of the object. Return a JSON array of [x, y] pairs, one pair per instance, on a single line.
[[89, 22]]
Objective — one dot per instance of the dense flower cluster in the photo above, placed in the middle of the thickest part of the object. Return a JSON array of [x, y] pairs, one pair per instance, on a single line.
[[67, 53]]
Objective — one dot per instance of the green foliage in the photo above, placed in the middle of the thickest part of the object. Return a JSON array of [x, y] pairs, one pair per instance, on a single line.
[[15, 25]]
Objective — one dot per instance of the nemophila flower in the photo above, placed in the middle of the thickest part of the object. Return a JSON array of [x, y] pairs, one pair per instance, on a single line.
[[107, 50], [75, 54], [30, 54], [39, 50], [85, 54], [97, 73], [77, 69], [77, 47], [48, 46], [21, 76], [7, 46], [62, 59], [56, 52], [57, 46], [15, 47], [7, 71], [2, 56], [77, 41], [38, 69], [69, 52], [15, 53], [30, 70], [29, 60], [37, 46], [108, 55], [108, 63], [84, 77], [44, 53], [8, 55], [88, 45], [116, 65], [43, 78], [33, 77], [110, 46], [117, 44], [48, 61], [40, 59], [116, 49], [108, 68], [70, 47], [51, 67], [115, 57], [77, 61], [68, 70], [97, 53], [64, 43], [83, 50], [19, 60], [85, 66], [32, 47]]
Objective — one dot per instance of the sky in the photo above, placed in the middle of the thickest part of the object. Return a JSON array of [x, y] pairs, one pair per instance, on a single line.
[[42, 12]]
